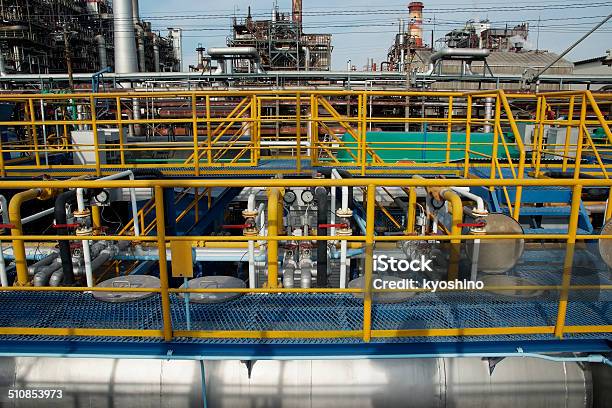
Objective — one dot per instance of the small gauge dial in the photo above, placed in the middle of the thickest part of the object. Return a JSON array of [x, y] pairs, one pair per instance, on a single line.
[[307, 196], [289, 197]]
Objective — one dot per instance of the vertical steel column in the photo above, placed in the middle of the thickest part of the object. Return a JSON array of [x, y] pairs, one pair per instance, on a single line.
[[369, 252], [163, 265]]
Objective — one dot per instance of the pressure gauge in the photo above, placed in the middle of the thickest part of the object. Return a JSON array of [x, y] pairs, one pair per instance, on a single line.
[[289, 197], [307, 196], [102, 198]]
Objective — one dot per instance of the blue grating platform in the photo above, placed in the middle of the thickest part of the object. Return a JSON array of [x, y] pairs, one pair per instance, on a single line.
[[320, 312]]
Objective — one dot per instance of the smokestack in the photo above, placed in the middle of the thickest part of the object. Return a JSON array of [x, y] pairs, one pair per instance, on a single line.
[[126, 59], [415, 12], [297, 13], [135, 12]]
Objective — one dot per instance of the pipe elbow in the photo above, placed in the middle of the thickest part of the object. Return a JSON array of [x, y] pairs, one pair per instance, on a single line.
[[15, 207]]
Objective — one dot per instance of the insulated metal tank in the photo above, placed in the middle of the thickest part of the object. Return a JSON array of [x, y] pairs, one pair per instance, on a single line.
[[427, 383]]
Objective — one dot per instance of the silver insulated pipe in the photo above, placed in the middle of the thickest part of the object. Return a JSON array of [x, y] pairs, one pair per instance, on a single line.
[[126, 59]]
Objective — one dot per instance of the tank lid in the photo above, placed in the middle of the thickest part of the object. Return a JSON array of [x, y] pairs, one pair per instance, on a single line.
[[130, 281]]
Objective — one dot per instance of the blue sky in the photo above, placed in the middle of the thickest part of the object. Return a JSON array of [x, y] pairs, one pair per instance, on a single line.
[[365, 28]]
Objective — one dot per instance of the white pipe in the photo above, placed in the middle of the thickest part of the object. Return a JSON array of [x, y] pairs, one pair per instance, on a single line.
[[81, 207], [344, 261], [465, 192], [252, 283], [37, 216], [5, 220]]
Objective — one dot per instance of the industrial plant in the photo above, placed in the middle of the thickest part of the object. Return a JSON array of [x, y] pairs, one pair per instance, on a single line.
[[242, 223]]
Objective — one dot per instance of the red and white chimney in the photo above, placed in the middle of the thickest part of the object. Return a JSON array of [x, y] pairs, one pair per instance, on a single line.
[[415, 12]]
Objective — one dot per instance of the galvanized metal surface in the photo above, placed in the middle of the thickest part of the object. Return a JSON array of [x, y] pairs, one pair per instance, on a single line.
[[215, 282], [130, 281], [418, 383]]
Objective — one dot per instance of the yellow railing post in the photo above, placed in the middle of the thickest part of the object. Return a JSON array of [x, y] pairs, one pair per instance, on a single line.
[[298, 132], [572, 229], [34, 130], [449, 129], [496, 137], [163, 265], [369, 259], [119, 119], [196, 144], [314, 130], [208, 131], [568, 132], [468, 131], [534, 138], [581, 137], [94, 128]]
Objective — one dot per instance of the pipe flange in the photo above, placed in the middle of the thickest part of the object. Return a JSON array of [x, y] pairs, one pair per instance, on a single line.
[[249, 214], [84, 231], [480, 230], [479, 214], [82, 214], [344, 232], [249, 232], [344, 212]]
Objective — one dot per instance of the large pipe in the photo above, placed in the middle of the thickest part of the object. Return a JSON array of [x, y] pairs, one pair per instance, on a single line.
[[415, 12], [21, 264], [102, 56], [140, 38], [126, 60], [321, 197], [135, 12], [221, 54], [417, 383], [449, 53], [156, 59], [64, 245]]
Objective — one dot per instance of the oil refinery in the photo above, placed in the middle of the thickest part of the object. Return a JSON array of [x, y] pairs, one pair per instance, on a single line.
[[253, 222]]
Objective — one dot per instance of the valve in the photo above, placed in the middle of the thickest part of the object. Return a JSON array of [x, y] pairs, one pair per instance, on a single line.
[[83, 221]]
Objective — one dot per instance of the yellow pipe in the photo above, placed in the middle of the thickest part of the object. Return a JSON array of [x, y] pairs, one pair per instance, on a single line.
[[412, 203], [18, 244], [273, 199], [96, 218], [457, 217]]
